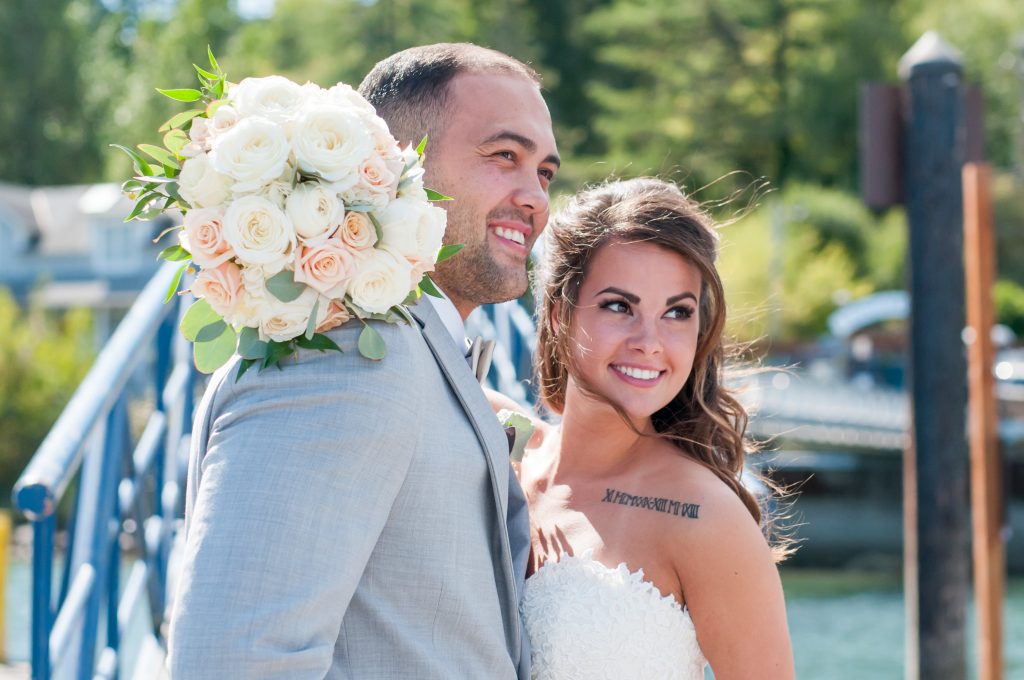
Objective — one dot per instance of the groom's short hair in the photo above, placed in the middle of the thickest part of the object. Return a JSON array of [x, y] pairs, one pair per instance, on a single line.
[[409, 89]]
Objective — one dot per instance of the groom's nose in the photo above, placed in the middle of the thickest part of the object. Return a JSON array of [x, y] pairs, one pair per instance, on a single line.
[[531, 196]]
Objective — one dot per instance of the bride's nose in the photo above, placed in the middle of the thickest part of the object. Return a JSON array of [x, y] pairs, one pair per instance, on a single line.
[[645, 336]]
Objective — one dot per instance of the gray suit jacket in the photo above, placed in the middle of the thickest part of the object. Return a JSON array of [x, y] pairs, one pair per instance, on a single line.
[[352, 519]]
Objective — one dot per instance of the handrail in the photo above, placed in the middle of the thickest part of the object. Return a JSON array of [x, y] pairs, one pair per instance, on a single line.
[[124, 489], [59, 456]]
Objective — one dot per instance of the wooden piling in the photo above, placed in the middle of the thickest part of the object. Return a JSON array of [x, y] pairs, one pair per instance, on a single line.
[[986, 474]]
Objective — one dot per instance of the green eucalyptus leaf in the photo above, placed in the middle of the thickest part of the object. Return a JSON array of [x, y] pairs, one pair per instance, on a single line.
[[142, 167], [244, 366], [179, 119], [371, 344], [275, 352], [175, 141], [173, 288], [211, 331], [249, 344], [132, 186], [377, 226], [403, 313], [427, 286], [311, 325], [448, 250], [214, 353], [172, 191], [437, 196], [196, 318], [213, 62], [162, 155], [182, 95], [141, 208], [413, 297], [204, 73], [360, 208], [319, 341], [284, 287], [174, 254], [163, 234], [421, 147]]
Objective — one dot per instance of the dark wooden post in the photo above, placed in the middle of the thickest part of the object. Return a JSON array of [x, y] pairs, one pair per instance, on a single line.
[[935, 470]]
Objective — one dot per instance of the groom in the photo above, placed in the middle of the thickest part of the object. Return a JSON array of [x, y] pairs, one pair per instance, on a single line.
[[356, 519]]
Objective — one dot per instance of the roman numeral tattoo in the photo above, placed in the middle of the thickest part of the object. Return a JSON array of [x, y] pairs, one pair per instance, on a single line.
[[666, 505]]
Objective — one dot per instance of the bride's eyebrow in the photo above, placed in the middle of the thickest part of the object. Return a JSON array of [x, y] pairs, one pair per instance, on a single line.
[[682, 296], [618, 291]]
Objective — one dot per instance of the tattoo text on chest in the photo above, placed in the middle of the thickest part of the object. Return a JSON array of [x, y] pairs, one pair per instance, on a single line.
[[667, 505]]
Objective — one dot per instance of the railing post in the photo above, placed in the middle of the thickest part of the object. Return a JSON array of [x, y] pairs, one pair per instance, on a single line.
[[42, 598], [108, 468]]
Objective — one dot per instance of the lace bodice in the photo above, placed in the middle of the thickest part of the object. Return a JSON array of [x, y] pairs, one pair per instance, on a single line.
[[587, 621]]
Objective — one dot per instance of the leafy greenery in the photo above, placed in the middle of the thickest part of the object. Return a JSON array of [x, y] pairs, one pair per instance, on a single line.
[[43, 358], [733, 89]]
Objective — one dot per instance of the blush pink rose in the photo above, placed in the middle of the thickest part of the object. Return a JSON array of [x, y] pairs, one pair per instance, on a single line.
[[203, 236], [336, 314], [377, 177], [420, 266], [357, 231], [220, 286], [325, 267]]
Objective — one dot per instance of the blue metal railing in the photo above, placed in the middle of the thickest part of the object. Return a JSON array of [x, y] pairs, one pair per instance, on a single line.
[[132, 490], [125, 491]]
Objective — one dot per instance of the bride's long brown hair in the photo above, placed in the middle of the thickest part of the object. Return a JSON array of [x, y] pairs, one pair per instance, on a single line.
[[705, 420]]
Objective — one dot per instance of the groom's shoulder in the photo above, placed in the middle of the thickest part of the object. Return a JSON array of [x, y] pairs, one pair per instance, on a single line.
[[326, 371]]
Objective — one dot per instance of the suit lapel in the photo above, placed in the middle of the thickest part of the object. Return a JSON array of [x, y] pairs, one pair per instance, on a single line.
[[492, 440], [458, 374]]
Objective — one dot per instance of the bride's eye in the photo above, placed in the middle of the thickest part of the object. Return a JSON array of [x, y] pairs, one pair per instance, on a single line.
[[681, 313], [617, 306]]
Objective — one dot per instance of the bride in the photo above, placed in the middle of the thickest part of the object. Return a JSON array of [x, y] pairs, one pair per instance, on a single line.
[[648, 560]]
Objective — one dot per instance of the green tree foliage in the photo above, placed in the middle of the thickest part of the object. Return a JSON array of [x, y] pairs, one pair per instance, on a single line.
[[42, 136], [42, 360], [1009, 298]]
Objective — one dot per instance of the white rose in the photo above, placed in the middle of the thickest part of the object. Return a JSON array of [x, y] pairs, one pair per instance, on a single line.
[[381, 282], [252, 301], [260, 233], [331, 142], [342, 94], [315, 211], [412, 228], [274, 98], [282, 321], [224, 118], [201, 185], [254, 152], [200, 133]]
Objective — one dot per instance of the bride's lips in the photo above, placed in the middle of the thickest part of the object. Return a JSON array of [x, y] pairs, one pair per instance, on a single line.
[[511, 233], [639, 376]]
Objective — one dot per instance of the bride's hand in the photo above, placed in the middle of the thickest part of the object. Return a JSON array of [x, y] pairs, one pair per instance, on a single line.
[[499, 402]]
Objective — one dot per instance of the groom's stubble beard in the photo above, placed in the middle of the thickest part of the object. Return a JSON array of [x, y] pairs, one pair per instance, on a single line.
[[475, 274]]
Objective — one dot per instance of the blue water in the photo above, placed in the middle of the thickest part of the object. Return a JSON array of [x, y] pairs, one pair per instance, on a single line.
[[844, 625]]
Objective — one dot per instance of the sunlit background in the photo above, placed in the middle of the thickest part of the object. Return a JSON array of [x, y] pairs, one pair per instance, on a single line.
[[750, 105]]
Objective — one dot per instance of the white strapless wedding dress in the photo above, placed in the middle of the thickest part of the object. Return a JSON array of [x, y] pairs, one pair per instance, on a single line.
[[587, 621]]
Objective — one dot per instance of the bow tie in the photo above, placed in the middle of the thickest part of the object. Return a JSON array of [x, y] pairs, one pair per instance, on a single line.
[[479, 357]]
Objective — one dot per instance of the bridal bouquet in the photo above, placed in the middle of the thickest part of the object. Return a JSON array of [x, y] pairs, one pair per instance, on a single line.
[[299, 210]]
